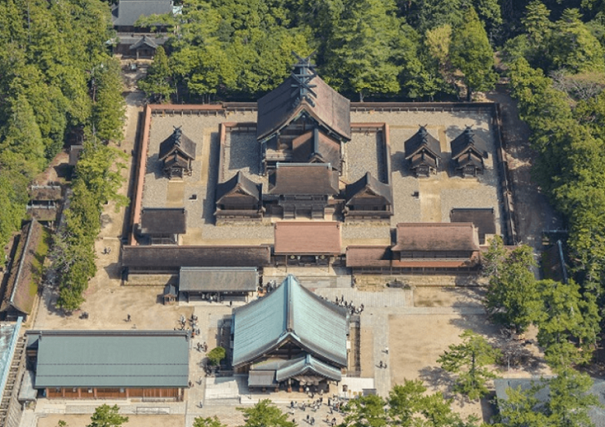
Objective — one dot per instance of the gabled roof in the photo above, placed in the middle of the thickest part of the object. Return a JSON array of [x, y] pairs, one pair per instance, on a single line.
[[111, 358], [468, 141], [436, 237], [369, 185], [304, 179], [163, 221], [422, 141], [144, 41], [294, 314], [314, 145], [303, 92], [423, 158], [177, 142], [469, 158], [307, 238], [238, 183], [217, 279], [127, 12], [482, 218], [306, 365]]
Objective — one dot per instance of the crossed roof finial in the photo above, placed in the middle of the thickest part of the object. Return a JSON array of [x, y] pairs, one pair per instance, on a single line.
[[303, 73]]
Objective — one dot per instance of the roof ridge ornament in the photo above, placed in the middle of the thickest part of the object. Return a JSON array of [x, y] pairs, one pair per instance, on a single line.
[[303, 72], [177, 134]]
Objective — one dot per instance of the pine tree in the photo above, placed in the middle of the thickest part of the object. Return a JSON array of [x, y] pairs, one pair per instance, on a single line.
[[472, 54], [156, 84]]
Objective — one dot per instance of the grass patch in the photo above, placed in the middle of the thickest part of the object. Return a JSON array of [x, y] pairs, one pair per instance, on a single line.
[[37, 266]]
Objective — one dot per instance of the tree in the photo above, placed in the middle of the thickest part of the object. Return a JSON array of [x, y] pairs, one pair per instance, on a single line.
[[511, 297], [472, 54], [560, 323], [216, 355], [156, 84], [410, 406], [265, 414], [208, 422], [363, 50], [469, 361], [107, 416], [365, 411], [109, 109]]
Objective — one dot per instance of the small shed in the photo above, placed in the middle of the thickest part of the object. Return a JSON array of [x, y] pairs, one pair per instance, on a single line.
[[423, 153], [45, 202], [177, 153], [468, 152], [169, 295], [217, 284]]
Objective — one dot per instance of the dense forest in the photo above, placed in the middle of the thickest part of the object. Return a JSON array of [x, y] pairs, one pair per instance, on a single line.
[[58, 77]]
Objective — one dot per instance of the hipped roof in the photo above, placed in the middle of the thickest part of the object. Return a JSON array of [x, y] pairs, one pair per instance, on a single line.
[[111, 358], [307, 238], [436, 237], [163, 221], [294, 314], [217, 279], [303, 179], [277, 109]]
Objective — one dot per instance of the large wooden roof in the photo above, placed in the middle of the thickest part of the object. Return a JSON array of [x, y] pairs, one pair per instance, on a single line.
[[290, 313], [307, 238], [367, 184], [238, 182], [438, 236], [466, 142], [315, 145], [303, 92], [177, 142]]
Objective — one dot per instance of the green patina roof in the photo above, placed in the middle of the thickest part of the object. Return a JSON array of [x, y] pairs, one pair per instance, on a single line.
[[290, 313], [112, 359]]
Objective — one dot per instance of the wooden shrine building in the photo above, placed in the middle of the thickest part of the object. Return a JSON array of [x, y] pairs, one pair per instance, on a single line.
[[307, 243], [423, 153], [303, 120], [144, 48], [162, 226], [218, 284], [468, 152], [109, 364], [368, 199], [239, 198], [301, 189], [438, 245], [289, 339], [177, 152], [45, 202]]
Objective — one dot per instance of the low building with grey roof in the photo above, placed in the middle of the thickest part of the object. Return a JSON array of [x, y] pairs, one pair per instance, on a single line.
[[109, 364]]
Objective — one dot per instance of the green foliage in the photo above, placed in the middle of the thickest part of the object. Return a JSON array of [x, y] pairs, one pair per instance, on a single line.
[[410, 406], [565, 403], [469, 361], [511, 297], [472, 54], [107, 416], [109, 108], [364, 49], [156, 84], [216, 355], [561, 322], [265, 414], [365, 411], [208, 422]]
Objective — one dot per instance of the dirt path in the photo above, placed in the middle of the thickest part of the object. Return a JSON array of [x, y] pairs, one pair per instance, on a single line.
[[533, 213]]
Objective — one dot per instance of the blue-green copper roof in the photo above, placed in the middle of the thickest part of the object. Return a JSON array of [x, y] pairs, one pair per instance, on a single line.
[[307, 364], [290, 313], [112, 359]]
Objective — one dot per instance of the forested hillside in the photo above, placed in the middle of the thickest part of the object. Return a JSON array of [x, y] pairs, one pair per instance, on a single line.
[[56, 76]]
